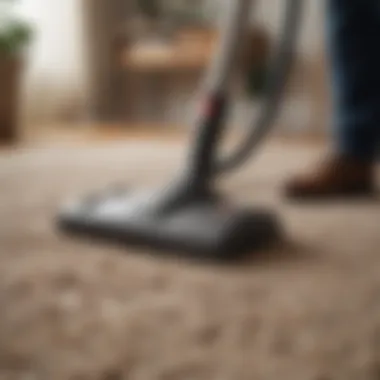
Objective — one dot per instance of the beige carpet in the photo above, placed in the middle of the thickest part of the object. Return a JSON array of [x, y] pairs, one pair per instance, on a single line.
[[73, 311]]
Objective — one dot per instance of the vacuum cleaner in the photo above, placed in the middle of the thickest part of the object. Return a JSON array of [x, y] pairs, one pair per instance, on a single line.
[[189, 216]]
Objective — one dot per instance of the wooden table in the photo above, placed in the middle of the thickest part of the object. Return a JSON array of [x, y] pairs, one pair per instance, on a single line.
[[190, 50]]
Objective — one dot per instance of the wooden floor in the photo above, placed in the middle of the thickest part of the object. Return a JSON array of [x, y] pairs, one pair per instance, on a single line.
[[93, 133], [74, 134], [100, 134]]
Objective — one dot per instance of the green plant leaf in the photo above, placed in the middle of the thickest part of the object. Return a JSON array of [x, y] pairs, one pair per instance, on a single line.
[[15, 35]]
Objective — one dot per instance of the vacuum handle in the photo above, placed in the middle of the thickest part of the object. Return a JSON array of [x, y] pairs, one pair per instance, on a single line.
[[211, 120], [210, 131], [232, 33], [280, 68]]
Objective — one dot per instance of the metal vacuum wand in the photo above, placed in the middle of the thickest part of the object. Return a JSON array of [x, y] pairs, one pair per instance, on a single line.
[[215, 91], [204, 161]]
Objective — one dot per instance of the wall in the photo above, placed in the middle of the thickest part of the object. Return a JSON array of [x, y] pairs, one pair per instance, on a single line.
[[56, 80]]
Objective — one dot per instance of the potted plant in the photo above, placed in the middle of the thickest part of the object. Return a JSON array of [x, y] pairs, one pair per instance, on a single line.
[[15, 35]]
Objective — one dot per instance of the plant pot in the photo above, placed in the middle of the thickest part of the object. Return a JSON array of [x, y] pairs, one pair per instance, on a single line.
[[10, 73]]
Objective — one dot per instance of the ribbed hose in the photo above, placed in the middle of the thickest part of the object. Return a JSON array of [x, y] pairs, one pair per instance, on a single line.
[[278, 75]]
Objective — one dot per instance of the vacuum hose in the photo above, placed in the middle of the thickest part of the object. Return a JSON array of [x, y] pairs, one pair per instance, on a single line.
[[274, 91]]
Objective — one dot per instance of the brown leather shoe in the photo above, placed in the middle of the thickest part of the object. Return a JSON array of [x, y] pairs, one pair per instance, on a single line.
[[336, 177]]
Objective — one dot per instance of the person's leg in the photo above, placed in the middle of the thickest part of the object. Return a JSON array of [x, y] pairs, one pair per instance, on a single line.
[[353, 29]]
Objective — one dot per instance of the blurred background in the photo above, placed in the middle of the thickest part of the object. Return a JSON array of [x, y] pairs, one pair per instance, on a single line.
[[118, 62]]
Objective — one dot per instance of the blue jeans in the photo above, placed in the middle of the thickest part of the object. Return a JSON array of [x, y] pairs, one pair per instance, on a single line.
[[354, 46]]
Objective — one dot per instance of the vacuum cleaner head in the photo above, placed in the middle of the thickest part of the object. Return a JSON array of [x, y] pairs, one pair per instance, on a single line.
[[205, 228]]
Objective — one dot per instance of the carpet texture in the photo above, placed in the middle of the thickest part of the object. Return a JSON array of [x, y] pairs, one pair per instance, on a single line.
[[69, 310]]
